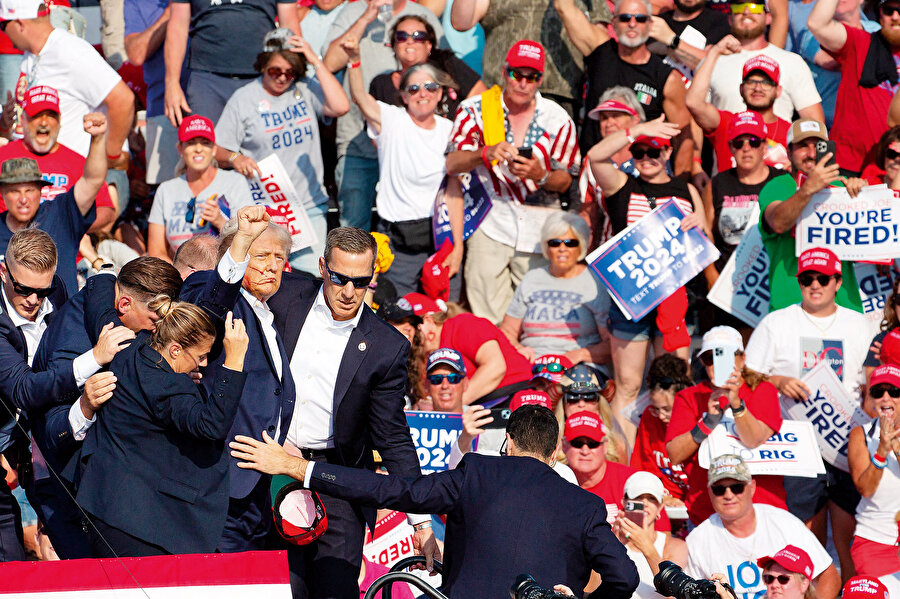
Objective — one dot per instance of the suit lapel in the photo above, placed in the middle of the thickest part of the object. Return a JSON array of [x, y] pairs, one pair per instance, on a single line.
[[357, 348], [289, 322], [265, 343]]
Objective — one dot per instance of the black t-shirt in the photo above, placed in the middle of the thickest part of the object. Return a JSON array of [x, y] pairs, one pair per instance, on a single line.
[[733, 204], [382, 87], [640, 197], [604, 69], [713, 24]]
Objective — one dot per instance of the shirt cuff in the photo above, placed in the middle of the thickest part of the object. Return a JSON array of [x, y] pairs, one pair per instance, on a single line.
[[456, 456], [78, 422], [309, 471], [231, 271], [414, 519], [84, 366]]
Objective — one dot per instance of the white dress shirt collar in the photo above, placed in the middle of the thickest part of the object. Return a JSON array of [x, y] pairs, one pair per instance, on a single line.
[[18, 320], [321, 306]]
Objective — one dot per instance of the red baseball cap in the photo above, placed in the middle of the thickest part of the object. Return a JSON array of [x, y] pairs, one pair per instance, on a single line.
[[435, 277], [890, 348], [584, 424], [820, 260], [886, 374], [611, 106], [40, 98], [196, 126], [792, 559], [530, 397], [421, 304], [656, 142], [865, 587], [761, 62], [526, 53], [747, 123]]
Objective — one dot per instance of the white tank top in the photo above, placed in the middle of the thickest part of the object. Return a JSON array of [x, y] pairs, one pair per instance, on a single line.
[[645, 589], [875, 515]]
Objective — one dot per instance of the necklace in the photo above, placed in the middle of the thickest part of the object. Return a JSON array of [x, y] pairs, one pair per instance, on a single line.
[[815, 320]]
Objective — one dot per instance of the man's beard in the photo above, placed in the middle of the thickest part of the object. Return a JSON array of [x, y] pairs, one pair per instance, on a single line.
[[891, 36], [749, 34], [633, 42], [680, 5]]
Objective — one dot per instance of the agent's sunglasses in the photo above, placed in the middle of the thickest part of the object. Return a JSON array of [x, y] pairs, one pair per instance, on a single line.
[[736, 488], [782, 579], [741, 142], [806, 279], [430, 86], [554, 367], [416, 36], [626, 18], [569, 243], [582, 441], [437, 379], [755, 9], [878, 392], [519, 75], [342, 280], [652, 153], [25, 290], [275, 73]]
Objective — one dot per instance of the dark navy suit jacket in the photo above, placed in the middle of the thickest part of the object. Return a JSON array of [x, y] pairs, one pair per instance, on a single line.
[[368, 394], [267, 396], [505, 516], [159, 467]]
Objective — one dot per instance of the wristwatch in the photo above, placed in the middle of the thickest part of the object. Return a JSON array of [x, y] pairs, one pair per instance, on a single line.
[[675, 41], [543, 179], [422, 525]]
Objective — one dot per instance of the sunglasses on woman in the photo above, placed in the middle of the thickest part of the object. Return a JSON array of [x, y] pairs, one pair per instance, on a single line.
[[25, 290], [626, 18], [554, 367], [582, 441], [342, 280], [652, 153], [782, 579], [437, 379], [519, 75], [430, 86], [275, 73], [736, 488], [891, 154], [740, 143], [416, 36], [806, 279], [585, 397], [878, 392], [890, 10], [569, 243]]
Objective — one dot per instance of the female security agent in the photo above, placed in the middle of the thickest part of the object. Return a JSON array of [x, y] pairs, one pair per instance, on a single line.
[[159, 442], [278, 113], [873, 452], [560, 308], [411, 162], [628, 199]]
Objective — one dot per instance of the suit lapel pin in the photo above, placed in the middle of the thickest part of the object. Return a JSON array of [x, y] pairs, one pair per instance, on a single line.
[[361, 346]]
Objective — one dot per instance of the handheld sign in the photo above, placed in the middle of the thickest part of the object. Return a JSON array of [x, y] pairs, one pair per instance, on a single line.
[[433, 434], [274, 189], [476, 205]]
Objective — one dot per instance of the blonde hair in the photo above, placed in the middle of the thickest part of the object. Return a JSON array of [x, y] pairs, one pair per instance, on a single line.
[[179, 322], [32, 249]]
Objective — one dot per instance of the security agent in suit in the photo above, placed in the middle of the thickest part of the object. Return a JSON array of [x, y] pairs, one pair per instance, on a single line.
[[350, 370], [32, 294], [506, 515], [254, 251]]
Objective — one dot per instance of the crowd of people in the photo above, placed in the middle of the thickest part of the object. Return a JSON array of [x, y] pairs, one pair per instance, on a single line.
[[172, 339]]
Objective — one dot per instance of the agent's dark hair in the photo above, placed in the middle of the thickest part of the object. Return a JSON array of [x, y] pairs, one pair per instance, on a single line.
[[534, 429], [297, 62], [352, 240], [146, 277]]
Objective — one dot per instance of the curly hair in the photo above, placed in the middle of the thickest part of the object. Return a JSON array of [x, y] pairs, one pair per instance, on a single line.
[[669, 367]]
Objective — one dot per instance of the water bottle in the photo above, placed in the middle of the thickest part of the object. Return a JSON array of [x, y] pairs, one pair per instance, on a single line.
[[385, 12]]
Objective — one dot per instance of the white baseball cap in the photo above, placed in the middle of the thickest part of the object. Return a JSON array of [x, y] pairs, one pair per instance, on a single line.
[[10, 10], [644, 483], [721, 336]]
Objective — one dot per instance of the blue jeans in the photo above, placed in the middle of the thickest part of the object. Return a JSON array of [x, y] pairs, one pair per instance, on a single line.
[[356, 192], [207, 93]]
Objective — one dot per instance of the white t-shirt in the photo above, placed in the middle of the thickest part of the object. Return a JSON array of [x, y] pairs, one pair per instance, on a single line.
[[83, 79], [712, 549], [790, 342], [646, 589], [411, 164], [798, 87]]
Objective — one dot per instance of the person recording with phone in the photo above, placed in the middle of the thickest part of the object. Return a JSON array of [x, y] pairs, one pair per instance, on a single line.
[[753, 405]]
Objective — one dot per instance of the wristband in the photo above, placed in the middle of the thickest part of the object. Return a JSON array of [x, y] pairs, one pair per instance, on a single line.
[[704, 428], [711, 420], [484, 158], [421, 526], [628, 136], [373, 285], [95, 260], [739, 411], [355, 65], [116, 157], [675, 41], [698, 435], [233, 156], [698, 160], [879, 462], [543, 179]]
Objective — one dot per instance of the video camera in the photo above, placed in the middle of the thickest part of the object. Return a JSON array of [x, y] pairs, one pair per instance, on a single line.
[[671, 581], [526, 588]]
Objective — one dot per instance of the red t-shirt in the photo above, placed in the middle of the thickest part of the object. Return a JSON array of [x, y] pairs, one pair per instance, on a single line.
[[466, 334], [860, 114], [776, 143], [612, 488], [690, 405], [62, 168], [650, 454]]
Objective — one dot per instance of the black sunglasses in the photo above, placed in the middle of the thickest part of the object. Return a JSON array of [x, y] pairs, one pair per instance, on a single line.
[[519, 75], [739, 143], [569, 243], [26, 291], [664, 382], [878, 392], [342, 280], [890, 11], [452, 378], [782, 579], [806, 279], [430, 86], [891, 154], [582, 441], [706, 358], [585, 397], [736, 488], [626, 18], [416, 36], [652, 153]]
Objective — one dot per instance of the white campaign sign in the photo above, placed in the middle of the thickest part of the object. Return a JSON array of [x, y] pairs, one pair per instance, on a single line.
[[830, 411], [790, 452], [274, 189], [875, 288]]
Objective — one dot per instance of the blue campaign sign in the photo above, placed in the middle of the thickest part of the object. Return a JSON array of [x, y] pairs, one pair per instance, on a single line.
[[477, 205], [648, 261], [434, 433]]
